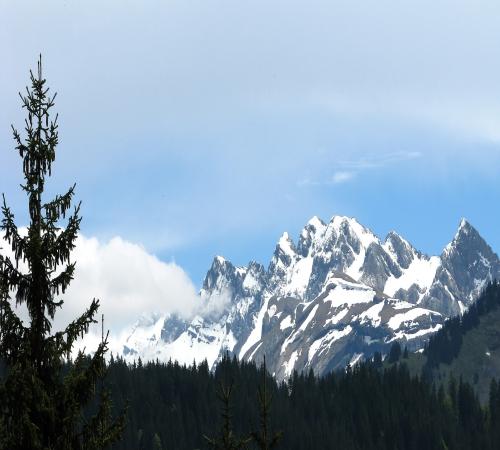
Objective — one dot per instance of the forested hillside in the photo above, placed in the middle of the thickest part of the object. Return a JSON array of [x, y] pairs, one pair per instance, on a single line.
[[469, 347], [446, 344], [172, 407], [420, 402]]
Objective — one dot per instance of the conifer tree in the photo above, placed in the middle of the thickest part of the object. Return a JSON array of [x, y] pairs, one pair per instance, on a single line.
[[377, 360], [43, 397], [157, 442], [227, 440], [265, 439], [394, 352]]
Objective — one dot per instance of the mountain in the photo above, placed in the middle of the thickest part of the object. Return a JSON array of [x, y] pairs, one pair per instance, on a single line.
[[466, 348], [335, 296]]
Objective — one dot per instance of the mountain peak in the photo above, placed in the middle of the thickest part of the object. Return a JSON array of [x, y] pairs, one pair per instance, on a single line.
[[219, 260], [471, 261], [350, 227], [466, 232], [286, 244], [395, 240], [312, 231], [393, 235], [463, 222], [316, 222], [400, 249], [464, 226], [220, 273], [340, 220], [284, 253]]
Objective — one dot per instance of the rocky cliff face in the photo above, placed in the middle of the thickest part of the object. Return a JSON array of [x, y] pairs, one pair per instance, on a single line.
[[335, 296]]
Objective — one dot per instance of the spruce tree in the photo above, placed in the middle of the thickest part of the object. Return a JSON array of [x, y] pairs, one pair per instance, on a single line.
[[394, 352], [265, 439], [43, 396], [227, 439], [157, 442]]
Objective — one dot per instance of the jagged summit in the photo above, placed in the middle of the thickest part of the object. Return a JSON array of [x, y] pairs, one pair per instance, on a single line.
[[468, 233], [220, 259], [316, 222], [336, 295], [286, 244], [395, 238], [220, 275], [400, 249], [464, 231], [464, 224]]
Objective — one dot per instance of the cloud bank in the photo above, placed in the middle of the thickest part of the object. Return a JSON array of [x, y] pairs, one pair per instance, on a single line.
[[128, 281]]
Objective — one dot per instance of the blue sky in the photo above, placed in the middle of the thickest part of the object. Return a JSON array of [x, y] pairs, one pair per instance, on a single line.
[[197, 128]]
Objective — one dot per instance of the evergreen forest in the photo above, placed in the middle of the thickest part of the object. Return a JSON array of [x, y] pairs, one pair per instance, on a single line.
[[374, 405], [367, 407]]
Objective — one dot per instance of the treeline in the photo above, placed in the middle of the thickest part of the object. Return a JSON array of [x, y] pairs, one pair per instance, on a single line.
[[174, 407], [445, 345]]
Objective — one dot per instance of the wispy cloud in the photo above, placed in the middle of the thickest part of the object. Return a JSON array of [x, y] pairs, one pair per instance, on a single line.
[[342, 176], [378, 161], [348, 170]]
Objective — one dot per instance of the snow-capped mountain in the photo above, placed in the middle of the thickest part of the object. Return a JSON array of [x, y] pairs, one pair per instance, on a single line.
[[336, 295]]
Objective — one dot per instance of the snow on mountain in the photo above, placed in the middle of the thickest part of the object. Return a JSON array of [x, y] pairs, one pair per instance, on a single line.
[[466, 265], [415, 268], [336, 296]]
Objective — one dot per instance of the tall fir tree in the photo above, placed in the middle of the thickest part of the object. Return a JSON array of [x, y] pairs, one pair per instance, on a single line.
[[227, 439], [43, 397], [264, 437]]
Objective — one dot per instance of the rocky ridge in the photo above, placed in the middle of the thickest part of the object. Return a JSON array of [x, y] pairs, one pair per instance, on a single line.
[[334, 297]]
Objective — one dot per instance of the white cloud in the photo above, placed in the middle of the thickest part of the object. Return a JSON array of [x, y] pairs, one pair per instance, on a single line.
[[378, 161], [342, 176], [129, 282], [215, 305], [347, 170]]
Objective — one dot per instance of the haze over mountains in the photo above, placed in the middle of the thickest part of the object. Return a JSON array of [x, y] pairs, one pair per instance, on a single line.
[[333, 297]]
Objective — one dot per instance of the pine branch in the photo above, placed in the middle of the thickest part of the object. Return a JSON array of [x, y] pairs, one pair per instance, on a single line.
[[226, 439], [57, 245], [12, 331], [57, 208], [264, 439], [13, 278], [60, 283], [17, 243], [63, 341], [99, 433]]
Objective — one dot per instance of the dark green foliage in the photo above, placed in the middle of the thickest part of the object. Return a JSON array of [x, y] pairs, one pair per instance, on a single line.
[[367, 408], [377, 360], [157, 442], [394, 352], [494, 408], [264, 438], [227, 439], [41, 398], [445, 345]]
